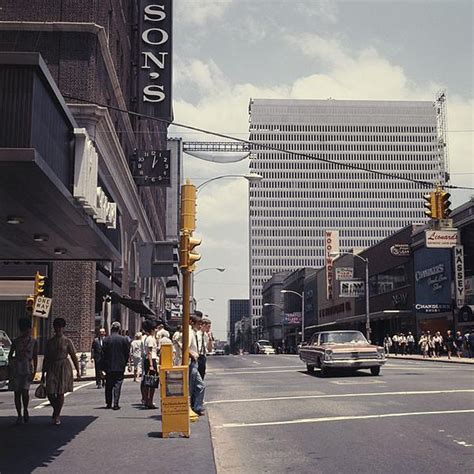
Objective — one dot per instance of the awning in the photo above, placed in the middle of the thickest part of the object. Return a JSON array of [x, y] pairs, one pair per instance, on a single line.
[[137, 306]]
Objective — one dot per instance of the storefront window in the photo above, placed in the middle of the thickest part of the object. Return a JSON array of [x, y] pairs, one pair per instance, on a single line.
[[388, 281]]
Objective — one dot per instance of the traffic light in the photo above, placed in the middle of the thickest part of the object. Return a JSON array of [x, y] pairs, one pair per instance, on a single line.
[[30, 304], [443, 204], [188, 207], [187, 257], [39, 284], [431, 205]]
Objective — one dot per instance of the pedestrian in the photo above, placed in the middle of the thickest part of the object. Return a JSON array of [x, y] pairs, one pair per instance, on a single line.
[[150, 363], [431, 344], [459, 344], [402, 343], [205, 342], [96, 355], [116, 351], [470, 343], [57, 368], [23, 362], [410, 343], [387, 344], [395, 343], [136, 355], [196, 384], [438, 343], [449, 342], [177, 346], [424, 345]]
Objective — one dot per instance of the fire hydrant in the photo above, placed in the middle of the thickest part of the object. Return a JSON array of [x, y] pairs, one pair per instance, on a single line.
[[83, 363]]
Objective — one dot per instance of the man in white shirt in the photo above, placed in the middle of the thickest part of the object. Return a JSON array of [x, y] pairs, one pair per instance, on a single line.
[[205, 343], [196, 384]]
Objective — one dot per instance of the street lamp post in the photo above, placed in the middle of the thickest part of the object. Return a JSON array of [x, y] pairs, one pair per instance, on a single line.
[[282, 322], [219, 269], [251, 178], [301, 295], [367, 296]]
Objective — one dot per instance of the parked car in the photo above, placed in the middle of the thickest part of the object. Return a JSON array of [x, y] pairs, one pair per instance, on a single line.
[[219, 352], [341, 350], [5, 346], [264, 347]]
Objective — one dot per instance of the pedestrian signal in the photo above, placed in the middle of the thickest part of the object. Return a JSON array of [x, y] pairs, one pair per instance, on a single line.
[[431, 207], [30, 304]]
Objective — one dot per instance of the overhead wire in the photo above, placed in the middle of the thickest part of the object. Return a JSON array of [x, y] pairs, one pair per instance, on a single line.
[[266, 146]]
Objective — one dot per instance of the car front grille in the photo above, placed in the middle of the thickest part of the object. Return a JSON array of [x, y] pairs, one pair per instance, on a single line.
[[354, 355]]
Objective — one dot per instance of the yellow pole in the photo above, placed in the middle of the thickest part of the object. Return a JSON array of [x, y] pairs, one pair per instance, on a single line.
[[186, 311], [35, 327]]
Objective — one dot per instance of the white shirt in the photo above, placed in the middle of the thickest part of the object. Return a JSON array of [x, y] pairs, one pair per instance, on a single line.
[[150, 346], [203, 341], [193, 341]]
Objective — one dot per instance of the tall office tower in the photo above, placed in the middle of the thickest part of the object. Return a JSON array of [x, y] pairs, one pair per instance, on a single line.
[[238, 309], [301, 196]]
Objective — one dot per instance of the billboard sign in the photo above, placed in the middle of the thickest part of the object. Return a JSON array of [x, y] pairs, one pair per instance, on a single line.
[[352, 289], [344, 273], [441, 239], [331, 246], [433, 280]]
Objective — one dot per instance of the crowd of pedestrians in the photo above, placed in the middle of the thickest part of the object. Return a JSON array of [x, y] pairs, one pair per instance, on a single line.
[[112, 355], [431, 345]]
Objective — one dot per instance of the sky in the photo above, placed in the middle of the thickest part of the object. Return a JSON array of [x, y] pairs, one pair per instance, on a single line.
[[229, 51]]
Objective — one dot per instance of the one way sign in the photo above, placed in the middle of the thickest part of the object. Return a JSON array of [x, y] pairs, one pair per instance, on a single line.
[[42, 306]]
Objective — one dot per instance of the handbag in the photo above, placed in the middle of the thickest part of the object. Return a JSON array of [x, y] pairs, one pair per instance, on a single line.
[[151, 381], [40, 391]]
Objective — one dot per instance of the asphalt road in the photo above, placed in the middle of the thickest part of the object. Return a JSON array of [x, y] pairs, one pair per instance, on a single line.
[[268, 415]]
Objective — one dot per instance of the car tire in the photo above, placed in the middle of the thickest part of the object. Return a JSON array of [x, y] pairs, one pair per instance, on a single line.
[[375, 370], [309, 368], [324, 371]]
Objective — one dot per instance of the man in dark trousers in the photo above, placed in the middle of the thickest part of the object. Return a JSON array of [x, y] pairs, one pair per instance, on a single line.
[[96, 354], [116, 350]]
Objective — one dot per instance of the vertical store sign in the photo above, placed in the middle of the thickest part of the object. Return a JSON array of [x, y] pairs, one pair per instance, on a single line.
[[331, 245], [155, 63], [459, 274]]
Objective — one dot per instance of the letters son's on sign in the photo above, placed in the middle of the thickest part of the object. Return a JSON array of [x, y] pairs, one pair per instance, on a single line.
[[155, 63]]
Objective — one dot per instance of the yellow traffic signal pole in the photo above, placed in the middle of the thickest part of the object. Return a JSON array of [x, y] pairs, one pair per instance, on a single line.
[[186, 295]]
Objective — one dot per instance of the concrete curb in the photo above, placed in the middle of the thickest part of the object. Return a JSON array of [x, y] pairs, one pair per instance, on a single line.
[[431, 359]]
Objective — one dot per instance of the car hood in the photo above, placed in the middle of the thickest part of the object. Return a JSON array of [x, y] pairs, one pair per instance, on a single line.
[[351, 347]]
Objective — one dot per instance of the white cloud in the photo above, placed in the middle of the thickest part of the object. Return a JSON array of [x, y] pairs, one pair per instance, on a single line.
[[199, 12]]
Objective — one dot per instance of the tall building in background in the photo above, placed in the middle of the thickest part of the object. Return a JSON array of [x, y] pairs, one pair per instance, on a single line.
[[238, 309], [300, 196]]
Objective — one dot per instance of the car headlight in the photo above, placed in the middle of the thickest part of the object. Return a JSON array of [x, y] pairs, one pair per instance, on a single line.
[[328, 355], [380, 353]]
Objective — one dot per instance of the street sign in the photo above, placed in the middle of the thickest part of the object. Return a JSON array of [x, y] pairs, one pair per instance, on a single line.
[[352, 289], [42, 307], [441, 239]]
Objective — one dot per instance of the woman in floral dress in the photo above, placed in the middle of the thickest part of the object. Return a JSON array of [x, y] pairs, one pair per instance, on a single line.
[[56, 365], [23, 360]]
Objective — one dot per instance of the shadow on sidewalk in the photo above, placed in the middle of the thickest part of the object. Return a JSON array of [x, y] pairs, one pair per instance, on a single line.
[[27, 447]]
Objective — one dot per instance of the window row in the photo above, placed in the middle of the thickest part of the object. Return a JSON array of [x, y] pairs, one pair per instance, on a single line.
[[283, 137], [342, 128]]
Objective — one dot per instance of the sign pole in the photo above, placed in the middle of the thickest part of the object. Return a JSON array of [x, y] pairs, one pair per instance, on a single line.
[[367, 300], [186, 311]]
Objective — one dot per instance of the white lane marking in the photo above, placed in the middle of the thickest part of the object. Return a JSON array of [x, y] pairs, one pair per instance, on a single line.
[[46, 403], [255, 362], [212, 371], [256, 372], [343, 418], [420, 367], [357, 382], [341, 395]]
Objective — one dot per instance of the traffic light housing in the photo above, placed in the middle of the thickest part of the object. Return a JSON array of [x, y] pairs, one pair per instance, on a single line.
[[431, 205], [30, 304], [443, 204], [39, 284], [188, 207], [187, 256]]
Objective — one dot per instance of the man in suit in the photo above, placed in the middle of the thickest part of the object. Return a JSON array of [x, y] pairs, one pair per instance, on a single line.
[[116, 350], [96, 354]]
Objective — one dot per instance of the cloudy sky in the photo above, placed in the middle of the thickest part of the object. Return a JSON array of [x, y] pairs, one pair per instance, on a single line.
[[228, 51]]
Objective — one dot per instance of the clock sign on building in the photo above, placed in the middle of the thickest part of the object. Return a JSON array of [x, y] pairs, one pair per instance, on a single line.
[[152, 168]]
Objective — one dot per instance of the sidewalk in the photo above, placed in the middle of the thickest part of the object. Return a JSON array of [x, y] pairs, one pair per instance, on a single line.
[[453, 360]]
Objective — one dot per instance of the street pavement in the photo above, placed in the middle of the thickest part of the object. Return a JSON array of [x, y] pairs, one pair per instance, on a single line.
[[268, 415]]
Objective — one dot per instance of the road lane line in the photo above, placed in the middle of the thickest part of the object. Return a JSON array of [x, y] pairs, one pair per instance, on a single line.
[[254, 368], [46, 403], [340, 395], [256, 372], [343, 418], [255, 362]]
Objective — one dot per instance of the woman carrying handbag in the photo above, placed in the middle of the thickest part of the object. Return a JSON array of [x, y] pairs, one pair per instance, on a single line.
[[150, 367]]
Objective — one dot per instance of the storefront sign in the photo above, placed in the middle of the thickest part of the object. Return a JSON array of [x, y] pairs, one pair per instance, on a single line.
[[459, 274], [432, 280], [292, 319], [352, 289], [344, 273], [400, 250], [331, 246], [86, 172], [153, 168], [441, 239], [155, 67]]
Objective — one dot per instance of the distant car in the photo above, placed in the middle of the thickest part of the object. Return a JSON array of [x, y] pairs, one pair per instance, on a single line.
[[341, 350], [264, 347], [5, 346], [219, 352]]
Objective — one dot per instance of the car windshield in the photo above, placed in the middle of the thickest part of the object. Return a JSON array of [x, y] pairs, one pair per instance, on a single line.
[[352, 337], [264, 343], [5, 342]]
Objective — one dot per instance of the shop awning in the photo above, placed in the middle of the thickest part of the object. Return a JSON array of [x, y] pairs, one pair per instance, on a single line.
[[137, 306]]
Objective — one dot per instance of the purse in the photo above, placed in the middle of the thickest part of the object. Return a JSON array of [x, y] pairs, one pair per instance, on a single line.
[[151, 381], [40, 391]]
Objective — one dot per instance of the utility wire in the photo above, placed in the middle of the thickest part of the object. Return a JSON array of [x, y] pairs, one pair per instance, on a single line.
[[264, 146]]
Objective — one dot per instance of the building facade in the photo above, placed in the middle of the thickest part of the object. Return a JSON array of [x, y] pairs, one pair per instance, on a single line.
[[238, 309], [304, 193]]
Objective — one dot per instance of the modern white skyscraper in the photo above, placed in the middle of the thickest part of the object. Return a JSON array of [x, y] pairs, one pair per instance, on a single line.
[[300, 197]]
